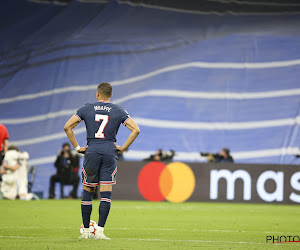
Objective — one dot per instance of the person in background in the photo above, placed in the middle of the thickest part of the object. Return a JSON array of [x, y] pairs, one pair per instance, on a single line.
[[10, 166], [74, 178], [155, 157], [67, 165], [222, 157], [3, 142], [160, 155], [226, 157], [14, 179]]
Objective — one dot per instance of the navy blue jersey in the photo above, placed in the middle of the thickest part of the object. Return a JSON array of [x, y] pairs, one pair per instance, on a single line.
[[102, 121]]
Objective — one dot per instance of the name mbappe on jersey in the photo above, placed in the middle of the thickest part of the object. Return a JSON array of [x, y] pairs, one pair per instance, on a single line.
[[102, 108]]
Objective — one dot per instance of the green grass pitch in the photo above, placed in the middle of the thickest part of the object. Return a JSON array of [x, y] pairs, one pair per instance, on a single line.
[[54, 224]]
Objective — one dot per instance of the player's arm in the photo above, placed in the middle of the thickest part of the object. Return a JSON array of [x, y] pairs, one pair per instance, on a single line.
[[72, 123], [135, 130], [2, 170], [5, 145], [13, 168]]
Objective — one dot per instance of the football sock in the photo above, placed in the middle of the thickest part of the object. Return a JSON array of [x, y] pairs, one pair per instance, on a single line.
[[104, 207], [86, 207]]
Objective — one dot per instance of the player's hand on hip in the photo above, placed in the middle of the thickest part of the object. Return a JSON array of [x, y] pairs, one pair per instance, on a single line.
[[82, 149], [119, 149]]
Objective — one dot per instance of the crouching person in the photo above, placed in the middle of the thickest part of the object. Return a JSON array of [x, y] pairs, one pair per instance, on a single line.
[[14, 178], [9, 169]]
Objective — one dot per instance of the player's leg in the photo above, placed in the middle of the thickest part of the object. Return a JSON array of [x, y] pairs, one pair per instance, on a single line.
[[86, 205], [90, 178], [9, 187], [107, 179], [104, 208], [86, 210]]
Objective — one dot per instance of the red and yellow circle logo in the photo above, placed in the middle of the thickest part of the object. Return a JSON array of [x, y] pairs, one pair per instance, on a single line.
[[174, 182]]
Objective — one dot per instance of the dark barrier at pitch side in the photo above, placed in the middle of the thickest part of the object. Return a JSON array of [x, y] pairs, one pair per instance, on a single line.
[[247, 183]]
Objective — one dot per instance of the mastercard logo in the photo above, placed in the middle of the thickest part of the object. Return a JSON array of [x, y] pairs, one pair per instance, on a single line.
[[174, 182]]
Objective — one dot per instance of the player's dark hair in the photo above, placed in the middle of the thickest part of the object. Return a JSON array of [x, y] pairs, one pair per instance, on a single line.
[[13, 147], [105, 89]]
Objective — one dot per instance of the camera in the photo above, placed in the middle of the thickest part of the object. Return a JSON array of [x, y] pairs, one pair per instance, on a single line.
[[168, 155], [213, 157], [216, 155]]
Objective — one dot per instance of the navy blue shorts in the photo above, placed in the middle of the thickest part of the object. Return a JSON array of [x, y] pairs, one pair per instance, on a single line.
[[98, 168]]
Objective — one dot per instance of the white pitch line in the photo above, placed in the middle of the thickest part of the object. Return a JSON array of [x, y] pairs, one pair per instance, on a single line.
[[20, 227], [198, 230], [166, 229], [199, 241], [32, 237], [18, 237], [137, 239]]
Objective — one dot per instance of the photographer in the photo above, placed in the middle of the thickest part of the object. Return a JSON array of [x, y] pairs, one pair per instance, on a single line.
[[160, 155], [223, 157], [67, 164]]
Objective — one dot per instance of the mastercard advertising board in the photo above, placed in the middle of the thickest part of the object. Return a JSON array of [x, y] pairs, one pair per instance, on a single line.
[[183, 182], [174, 182]]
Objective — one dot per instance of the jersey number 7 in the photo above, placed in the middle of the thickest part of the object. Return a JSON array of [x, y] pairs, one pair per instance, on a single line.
[[104, 119]]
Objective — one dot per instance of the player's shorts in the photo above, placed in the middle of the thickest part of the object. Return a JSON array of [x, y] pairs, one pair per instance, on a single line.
[[98, 168]]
